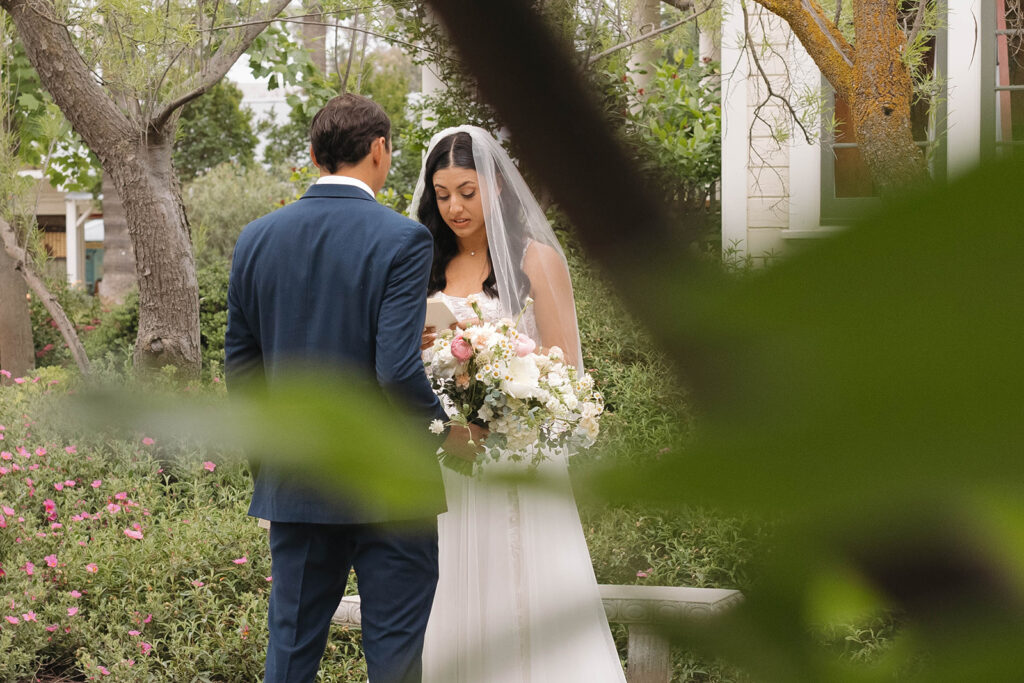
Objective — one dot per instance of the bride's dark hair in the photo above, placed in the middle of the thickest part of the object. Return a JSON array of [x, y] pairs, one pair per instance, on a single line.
[[454, 151]]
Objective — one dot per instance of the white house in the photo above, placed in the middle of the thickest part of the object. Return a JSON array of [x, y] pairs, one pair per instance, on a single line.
[[779, 188]]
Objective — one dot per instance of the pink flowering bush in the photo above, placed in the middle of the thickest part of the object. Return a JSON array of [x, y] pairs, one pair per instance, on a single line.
[[130, 569]]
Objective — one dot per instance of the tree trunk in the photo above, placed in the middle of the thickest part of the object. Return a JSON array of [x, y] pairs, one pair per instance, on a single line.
[[118, 254], [168, 289], [21, 263], [16, 348], [646, 18], [314, 34], [881, 97]]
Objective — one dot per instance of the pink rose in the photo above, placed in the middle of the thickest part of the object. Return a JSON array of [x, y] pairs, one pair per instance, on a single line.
[[524, 345], [461, 349]]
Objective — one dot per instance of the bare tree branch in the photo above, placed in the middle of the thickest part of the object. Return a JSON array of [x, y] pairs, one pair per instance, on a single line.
[[23, 265], [236, 43], [650, 34], [768, 85], [382, 36], [839, 13]]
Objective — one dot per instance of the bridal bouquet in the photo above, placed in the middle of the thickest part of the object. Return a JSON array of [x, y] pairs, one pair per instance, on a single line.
[[532, 402]]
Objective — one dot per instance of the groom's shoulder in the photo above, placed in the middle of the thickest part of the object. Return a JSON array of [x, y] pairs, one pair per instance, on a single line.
[[394, 225]]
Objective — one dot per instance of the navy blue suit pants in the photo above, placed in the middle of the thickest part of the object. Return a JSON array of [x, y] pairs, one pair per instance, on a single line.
[[396, 567]]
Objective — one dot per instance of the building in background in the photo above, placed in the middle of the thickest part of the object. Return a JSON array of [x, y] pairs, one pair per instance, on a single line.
[[778, 190]]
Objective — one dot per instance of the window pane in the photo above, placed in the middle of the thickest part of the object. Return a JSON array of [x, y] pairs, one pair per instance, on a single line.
[[1010, 72]]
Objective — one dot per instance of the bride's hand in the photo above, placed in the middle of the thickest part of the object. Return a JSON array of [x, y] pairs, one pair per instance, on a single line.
[[468, 322], [428, 337], [465, 441]]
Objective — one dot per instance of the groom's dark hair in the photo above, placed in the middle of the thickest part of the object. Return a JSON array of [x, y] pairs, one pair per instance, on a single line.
[[343, 130]]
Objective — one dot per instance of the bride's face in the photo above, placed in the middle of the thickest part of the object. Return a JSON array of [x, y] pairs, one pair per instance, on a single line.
[[458, 200]]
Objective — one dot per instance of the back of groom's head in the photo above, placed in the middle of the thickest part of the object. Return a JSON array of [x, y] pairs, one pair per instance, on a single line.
[[341, 133]]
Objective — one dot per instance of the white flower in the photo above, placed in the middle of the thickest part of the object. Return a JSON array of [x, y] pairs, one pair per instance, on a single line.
[[590, 427], [437, 427], [589, 410], [556, 353], [523, 376]]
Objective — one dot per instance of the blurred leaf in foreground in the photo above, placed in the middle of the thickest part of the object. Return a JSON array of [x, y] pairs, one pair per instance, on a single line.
[[867, 392], [329, 429]]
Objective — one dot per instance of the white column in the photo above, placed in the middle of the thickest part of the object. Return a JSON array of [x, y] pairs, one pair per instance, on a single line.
[[74, 239], [963, 64], [804, 156], [735, 138]]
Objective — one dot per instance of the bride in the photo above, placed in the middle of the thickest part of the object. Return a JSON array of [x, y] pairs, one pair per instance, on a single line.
[[517, 600]]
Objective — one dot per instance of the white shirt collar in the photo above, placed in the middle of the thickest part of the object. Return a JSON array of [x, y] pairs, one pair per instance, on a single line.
[[345, 180]]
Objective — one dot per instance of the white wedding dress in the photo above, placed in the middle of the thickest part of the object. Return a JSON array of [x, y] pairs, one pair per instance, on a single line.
[[517, 601]]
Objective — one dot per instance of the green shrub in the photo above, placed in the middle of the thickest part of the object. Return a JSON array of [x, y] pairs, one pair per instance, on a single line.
[[78, 592], [224, 200]]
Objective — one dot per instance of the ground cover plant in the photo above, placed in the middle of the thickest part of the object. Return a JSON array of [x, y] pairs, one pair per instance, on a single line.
[[126, 558]]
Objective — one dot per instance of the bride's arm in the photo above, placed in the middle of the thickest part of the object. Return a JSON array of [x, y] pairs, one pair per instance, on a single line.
[[553, 303]]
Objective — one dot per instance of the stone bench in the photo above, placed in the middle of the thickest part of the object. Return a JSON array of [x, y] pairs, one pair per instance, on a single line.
[[639, 607]]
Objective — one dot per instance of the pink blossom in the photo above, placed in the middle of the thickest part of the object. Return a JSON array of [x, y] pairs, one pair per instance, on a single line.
[[148, 441], [19, 380], [91, 568], [29, 616], [113, 508], [132, 533], [51, 628], [2, 572], [72, 611], [49, 506], [8, 510], [56, 525], [75, 594], [121, 495], [149, 618], [59, 486], [3, 522], [6, 455], [145, 647], [40, 451], [13, 620], [209, 466], [97, 483], [197, 583], [70, 483], [103, 670], [241, 560], [524, 345], [29, 568], [269, 578], [134, 632], [6, 373], [51, 560], [4, 470], [461, 349], [70, 450]]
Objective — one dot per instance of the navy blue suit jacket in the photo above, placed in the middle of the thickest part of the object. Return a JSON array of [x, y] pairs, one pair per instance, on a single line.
[[339, 281]]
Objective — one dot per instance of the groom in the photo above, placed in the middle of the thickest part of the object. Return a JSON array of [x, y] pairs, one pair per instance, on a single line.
[[339, 280]]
